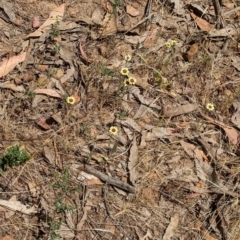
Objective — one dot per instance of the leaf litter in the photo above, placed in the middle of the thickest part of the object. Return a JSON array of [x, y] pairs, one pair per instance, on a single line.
[[170, 155]]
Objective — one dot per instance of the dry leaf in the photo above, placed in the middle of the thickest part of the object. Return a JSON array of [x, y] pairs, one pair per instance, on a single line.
[[151, 39], [97, 16], [9, 64], [42, 123], [136, 92], [37, 99], [172, 227], [230, 131], [65, 232], [202, 24], [133, 161], [56, 15], [236, 116], [9, 85], [236, 62], [130, 123], [7, 237], [17, 206], [183, 109], [48, 92], [8, 10], [223, 32], [109, 25], [49, 155], [132, 11], [68, 74], [32, 186], [191, 53], [86, 209]]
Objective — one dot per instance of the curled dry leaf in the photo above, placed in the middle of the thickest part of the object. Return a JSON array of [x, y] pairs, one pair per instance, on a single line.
[[9, 64], [191, 53], [202, 24], [41, 122], [132, 11], [48, 92]]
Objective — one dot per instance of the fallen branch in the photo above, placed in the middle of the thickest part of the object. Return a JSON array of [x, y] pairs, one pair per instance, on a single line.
[[110, 180]]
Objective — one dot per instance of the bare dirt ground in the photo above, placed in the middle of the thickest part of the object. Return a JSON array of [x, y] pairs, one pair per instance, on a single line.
[[119, 119]]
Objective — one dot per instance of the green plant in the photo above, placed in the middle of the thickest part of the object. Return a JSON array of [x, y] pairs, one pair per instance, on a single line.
[[115, 5], [14, 156], [55, 32], [53, 227], [56, 49], [122, 115]]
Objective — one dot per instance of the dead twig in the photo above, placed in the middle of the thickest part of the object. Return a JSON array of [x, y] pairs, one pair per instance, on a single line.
[[110, 180]]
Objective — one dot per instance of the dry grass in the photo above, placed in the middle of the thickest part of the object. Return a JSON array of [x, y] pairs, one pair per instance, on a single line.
[[176, 194]]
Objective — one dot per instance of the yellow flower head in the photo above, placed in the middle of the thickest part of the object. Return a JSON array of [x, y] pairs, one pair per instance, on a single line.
[[71, 100], [168, 44], [124, 71], [132, 80], [128, 57], [210, 106], [113, 130], [173, 42], [126, 82]]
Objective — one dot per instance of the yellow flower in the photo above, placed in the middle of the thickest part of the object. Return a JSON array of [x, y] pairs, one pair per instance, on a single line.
[[71, 100], [113, 130], [168, 44], [126, 82], [173, 42], [128, 58], [124, 71], [210, 106], [132, 80]]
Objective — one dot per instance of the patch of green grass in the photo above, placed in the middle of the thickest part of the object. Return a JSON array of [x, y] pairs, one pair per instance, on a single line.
[[14, 156]]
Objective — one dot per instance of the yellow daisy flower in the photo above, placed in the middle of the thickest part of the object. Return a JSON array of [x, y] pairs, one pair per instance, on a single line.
[[210, 106], [132, 80], [168, 44], [113, 130], [128, 58], [124, 71], [71, 100]]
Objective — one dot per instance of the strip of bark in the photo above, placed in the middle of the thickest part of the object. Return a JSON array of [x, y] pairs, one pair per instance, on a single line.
[[110, 180]]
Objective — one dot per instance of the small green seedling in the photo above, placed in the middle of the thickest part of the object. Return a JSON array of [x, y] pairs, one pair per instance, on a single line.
[[55, 31], [14, 156]]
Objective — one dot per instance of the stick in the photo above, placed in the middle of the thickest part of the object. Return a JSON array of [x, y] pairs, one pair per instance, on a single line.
[[110, 180]]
